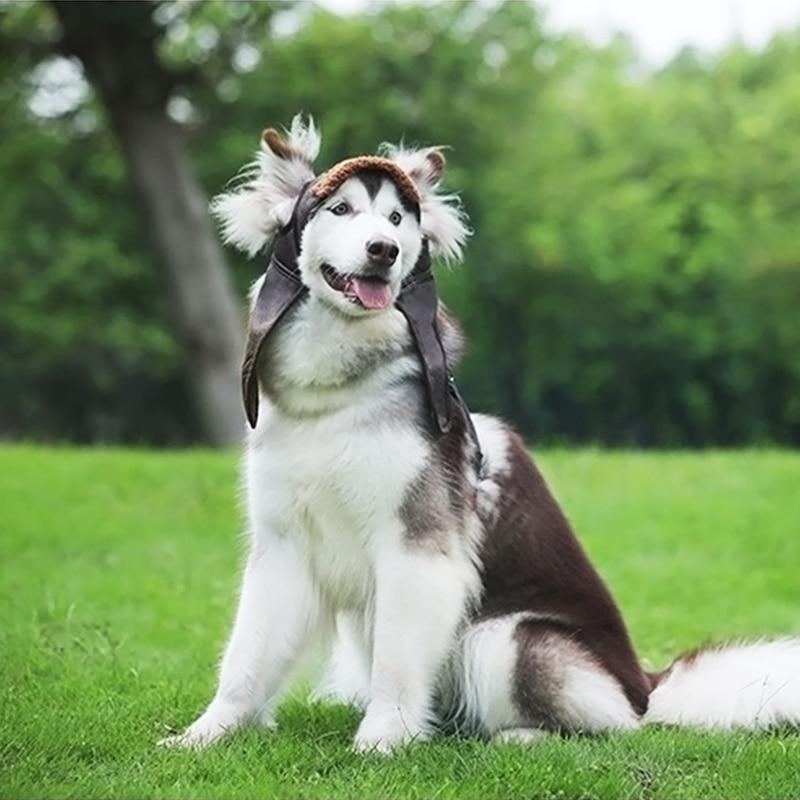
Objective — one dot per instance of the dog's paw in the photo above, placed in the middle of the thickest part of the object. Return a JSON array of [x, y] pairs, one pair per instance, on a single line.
[[180, 741], [202, 733], [379, 746], [384, 731], [192, 739]]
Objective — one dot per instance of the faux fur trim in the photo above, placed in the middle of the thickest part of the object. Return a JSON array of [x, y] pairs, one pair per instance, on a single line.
[[331, 180]]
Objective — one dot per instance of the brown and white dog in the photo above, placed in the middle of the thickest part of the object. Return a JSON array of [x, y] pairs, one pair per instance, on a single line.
[[457, 594]]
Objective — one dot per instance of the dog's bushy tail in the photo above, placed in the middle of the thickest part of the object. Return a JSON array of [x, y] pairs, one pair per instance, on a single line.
[[743, 685]]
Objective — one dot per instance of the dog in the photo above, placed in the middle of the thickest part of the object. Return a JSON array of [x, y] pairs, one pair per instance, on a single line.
[[433, 550]]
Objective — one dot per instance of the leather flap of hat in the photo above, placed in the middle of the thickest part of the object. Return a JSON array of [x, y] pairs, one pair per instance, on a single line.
[[280, 289], [419, 303]]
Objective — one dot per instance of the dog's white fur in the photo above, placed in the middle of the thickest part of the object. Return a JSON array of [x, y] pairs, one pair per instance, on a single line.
[[253, 213], [327, 470], [748, 685]]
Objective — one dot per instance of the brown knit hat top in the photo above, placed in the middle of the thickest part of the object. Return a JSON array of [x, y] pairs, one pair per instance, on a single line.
[[330, 181]]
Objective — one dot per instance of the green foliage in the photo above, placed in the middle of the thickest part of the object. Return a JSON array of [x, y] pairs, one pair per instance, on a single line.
[[634, 276], [118, 592], [87, 352]]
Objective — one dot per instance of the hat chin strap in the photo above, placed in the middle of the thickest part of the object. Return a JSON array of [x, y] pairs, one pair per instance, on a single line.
[[418, 301]]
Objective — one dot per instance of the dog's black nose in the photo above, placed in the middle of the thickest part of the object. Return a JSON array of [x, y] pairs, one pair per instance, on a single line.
[[382, 252]]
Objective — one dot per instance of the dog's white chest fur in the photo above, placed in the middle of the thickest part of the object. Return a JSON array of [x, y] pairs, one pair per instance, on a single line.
[[334, 488]]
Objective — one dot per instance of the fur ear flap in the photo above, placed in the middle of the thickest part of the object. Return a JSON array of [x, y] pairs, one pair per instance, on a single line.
[[255, 210], [443, 221]]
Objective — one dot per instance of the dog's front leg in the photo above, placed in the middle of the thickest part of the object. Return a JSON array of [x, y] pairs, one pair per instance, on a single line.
[[420, 598], [277, 610]]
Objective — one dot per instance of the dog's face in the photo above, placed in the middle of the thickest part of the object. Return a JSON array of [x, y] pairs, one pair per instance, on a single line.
[[364, 239], [360, 245]]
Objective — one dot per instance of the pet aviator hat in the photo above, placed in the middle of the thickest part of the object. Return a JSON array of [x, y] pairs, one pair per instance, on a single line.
[[282, 287]]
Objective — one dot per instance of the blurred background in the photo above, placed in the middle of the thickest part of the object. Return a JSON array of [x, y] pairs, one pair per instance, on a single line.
[[631, 171]]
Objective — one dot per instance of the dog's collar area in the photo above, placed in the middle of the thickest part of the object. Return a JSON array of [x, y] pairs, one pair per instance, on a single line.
[[418, 301]]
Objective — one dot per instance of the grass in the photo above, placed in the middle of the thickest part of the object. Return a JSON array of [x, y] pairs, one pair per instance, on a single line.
[[118, 577]]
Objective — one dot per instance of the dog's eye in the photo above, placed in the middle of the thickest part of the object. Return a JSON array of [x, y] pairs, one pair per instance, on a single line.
[[395, 217], [340, 209]]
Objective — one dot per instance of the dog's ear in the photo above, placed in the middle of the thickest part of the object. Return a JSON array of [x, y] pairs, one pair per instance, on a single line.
[[443, 220], [262, 202]]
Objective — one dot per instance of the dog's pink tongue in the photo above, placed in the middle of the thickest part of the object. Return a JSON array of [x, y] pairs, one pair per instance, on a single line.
[[373, 294]]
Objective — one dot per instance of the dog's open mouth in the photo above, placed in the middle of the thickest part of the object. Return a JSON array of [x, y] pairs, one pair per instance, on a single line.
[[369, 292]]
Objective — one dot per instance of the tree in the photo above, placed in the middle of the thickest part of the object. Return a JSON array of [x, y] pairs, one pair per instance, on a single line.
[[633, 278], [117, 43]]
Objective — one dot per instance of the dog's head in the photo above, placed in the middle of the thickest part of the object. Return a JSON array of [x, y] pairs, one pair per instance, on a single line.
[[370, 216]]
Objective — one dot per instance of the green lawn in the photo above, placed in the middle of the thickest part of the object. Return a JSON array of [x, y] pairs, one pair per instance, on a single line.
[[118, 575]]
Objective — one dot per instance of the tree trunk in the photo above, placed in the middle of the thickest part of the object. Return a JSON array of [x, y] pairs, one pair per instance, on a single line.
[[116, 41], [207, 316]]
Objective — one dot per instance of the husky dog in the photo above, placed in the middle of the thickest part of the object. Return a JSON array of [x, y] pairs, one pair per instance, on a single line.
[[456, 585]]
